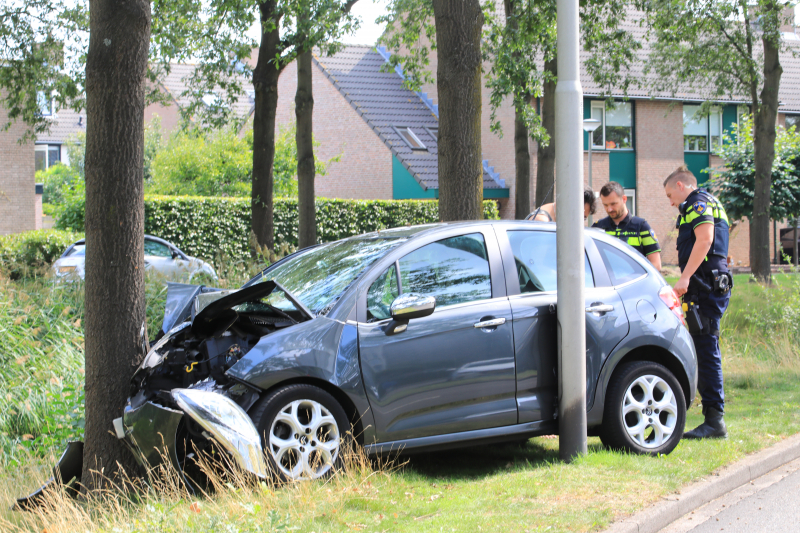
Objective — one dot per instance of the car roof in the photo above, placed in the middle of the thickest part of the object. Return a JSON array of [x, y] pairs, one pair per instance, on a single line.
[[147, 237]]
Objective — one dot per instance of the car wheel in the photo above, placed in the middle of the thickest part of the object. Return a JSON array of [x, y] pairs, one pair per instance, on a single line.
[[645, 410], [303, 430]]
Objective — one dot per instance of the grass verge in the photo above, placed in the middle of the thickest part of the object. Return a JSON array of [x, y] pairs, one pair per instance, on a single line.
[[488, 488]]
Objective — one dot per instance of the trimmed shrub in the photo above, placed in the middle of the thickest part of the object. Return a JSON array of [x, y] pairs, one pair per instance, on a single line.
[[205, 227], [209, 226], [28, 254]]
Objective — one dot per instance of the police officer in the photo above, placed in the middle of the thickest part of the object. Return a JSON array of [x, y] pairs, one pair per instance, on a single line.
[[619, 223], [705, 285]]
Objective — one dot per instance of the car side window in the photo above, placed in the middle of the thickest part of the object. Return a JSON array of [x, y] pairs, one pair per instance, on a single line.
[[381, 294], [454, 270], [156, 248], [621, 268], [535, 259]]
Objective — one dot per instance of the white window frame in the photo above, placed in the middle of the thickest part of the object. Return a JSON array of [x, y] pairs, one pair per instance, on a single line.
[[45, 148], [709, 148], [631, 194], [599, 104], [407, 129]]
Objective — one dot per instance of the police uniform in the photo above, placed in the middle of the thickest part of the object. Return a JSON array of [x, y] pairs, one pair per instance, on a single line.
[[699, 208], [633, 230]]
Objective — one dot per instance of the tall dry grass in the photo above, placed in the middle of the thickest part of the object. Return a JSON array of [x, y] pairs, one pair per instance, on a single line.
[[233, 500]]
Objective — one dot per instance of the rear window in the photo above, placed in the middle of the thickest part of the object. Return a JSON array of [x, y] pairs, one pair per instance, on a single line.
[[621, 267], [78, 249]]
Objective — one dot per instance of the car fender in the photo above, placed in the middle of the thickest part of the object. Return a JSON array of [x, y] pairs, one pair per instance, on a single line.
[[634, 342], [321, 351]]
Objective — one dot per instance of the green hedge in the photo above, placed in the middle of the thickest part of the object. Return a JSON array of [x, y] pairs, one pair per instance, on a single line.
[[30, 253], [205, 227]]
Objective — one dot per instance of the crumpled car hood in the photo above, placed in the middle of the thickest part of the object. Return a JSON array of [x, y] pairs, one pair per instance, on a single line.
[[209, 308]]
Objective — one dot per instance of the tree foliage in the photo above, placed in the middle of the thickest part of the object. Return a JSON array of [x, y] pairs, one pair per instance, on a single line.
[[42, 53], [718, 49], [734, 184]]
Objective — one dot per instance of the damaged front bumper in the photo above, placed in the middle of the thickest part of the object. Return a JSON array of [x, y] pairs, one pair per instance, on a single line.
[[154, 432]]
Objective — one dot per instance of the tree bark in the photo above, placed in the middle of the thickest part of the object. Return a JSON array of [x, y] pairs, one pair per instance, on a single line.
[[546, 155], [304, 112], [522, 161], [458, 34], [115, 304], [522, 154], [265, 84], [764, 155]]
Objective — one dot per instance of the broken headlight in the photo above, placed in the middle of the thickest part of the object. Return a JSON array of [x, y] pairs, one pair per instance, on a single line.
[[156, 354], [227, 423]]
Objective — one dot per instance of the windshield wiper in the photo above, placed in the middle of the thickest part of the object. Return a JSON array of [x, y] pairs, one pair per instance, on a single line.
[[292, 298]]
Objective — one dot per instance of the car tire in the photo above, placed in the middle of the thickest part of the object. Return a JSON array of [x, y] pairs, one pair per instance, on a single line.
[[645, 410], [304, 432]]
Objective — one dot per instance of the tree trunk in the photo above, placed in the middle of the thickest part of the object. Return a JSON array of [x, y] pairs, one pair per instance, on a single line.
[[458, 34], [794, 242], [764, 155], [522, 154], [304, 111], [522, 161], [115, 306], [265, 84], [546, 155]]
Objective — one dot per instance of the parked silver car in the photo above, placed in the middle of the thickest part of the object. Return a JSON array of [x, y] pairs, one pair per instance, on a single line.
[[159, 255]]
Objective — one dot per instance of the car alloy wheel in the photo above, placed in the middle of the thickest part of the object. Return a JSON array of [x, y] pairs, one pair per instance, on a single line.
[[304, 440], [645, 410], [649, 411], [303, 430]]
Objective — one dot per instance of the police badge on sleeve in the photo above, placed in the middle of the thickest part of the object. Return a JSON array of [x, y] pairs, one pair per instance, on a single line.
[[699, 207]]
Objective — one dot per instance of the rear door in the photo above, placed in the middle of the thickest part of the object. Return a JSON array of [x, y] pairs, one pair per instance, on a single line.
[[531, 256], [451, 371]]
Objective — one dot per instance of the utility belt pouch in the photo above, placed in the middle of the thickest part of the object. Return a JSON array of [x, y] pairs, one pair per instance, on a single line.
[[723, 281], [694, 321]]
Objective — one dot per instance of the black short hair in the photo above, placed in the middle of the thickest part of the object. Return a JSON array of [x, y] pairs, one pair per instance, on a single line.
[[612, 186], [589, 198]]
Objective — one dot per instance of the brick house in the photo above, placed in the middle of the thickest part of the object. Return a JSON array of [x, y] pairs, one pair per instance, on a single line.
[[18, 198]]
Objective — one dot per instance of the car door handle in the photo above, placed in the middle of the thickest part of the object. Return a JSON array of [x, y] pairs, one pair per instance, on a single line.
[[490, 323], [600, 308]]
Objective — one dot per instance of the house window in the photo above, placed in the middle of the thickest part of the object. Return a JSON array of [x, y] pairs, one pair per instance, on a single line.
[[410, 138], [701, 133], [792, 120], [433, 132], [631, 202], [616, 126], [46, 155], [45, 103]]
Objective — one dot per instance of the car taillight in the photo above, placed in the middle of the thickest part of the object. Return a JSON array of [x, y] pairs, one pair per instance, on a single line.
[[669, 297]]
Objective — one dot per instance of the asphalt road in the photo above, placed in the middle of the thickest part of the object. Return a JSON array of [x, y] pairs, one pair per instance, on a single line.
[[770, 504]]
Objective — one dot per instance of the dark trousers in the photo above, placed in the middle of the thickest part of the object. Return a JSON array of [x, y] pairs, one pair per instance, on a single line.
[[709, 357]]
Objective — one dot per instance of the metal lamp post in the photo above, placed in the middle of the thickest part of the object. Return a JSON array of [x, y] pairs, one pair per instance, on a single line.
[[571, 303], [589, 125]]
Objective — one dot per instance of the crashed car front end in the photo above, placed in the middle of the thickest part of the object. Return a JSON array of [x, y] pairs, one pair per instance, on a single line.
[[183, 402]]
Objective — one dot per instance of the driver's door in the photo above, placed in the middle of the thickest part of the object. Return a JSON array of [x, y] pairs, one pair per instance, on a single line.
[[445, 373]]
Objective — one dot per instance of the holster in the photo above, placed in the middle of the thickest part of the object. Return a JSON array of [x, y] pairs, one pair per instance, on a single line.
[[723, 281], [697, 323]]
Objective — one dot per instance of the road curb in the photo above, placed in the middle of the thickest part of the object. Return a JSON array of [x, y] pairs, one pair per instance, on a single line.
[[674, 506]]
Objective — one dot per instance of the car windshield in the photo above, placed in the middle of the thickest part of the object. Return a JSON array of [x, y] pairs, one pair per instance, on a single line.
[[319, 276], [78, 249]]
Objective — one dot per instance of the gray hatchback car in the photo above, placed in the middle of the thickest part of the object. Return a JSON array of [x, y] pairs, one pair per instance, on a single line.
[[416, 338]]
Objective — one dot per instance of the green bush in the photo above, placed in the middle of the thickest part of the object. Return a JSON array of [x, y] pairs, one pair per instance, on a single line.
[[28, 254], [191, 163], [205, 227], [55, 181]]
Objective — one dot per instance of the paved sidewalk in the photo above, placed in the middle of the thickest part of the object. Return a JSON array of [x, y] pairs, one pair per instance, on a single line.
[[769, 504], [674, 506]]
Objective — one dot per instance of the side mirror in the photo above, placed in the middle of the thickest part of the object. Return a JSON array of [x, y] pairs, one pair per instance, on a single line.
[[175, 254], [408, 306]]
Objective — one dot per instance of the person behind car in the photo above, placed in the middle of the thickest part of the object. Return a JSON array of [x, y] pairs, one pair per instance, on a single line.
[[630, 229], [547, 212], [705, 285]]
